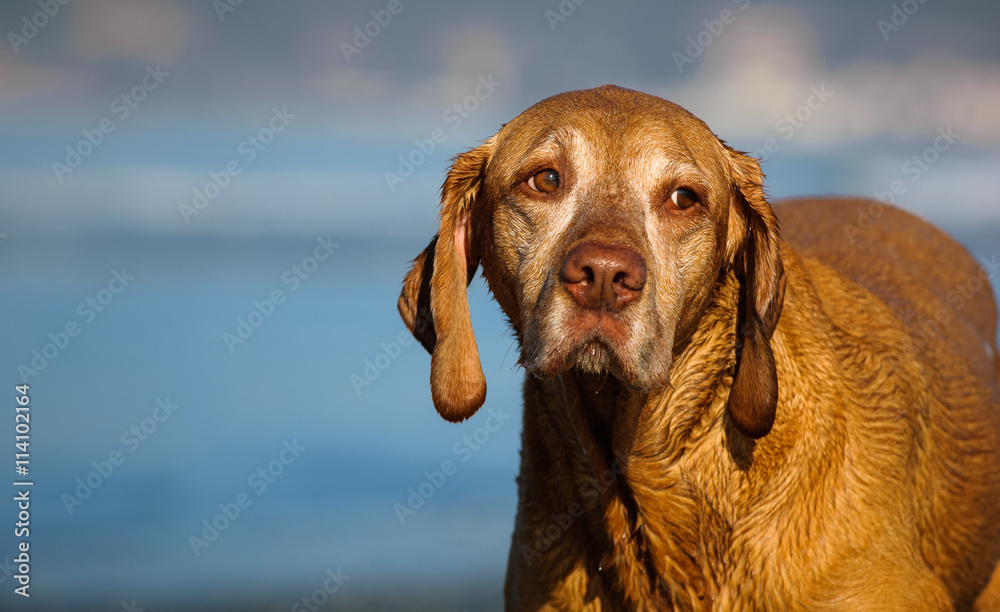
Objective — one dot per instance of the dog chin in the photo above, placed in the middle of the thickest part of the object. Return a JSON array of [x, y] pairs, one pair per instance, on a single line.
[[592, 351], [595, 357], [592, 356]]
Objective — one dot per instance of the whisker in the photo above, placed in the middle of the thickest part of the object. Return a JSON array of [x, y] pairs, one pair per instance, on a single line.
[[504, 360]]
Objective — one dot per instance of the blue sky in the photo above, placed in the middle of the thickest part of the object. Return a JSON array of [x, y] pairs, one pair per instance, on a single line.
[[892, 74]]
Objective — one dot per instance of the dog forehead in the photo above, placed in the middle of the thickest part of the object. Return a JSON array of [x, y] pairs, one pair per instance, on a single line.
[[612, 106], [609, 118]]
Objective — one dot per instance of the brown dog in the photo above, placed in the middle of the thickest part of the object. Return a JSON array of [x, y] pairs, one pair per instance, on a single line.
[[717, 418]]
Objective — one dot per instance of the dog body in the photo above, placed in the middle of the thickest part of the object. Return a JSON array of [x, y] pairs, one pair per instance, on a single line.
[[716, 417]]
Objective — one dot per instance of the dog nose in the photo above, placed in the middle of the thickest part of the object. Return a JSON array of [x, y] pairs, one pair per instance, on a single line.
[[602, 277]]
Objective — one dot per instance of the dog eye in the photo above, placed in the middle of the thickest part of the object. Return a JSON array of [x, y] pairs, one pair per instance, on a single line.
[[683, 198], [545, 181]]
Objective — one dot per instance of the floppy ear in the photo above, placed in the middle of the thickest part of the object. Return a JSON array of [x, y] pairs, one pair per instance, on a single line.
[[433, 303], [753, 249]]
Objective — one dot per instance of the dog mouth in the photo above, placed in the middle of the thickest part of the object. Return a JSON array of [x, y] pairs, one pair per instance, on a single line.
[[591, 343], [594, 356]]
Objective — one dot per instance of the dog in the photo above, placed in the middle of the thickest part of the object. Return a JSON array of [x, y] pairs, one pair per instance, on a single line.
[[717, 415]]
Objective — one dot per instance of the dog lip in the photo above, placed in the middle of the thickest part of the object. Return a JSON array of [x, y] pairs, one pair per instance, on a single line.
[[593, 351], [595, 356], [608, 327]]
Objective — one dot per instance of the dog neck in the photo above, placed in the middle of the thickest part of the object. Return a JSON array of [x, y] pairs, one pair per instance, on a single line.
[[640, 436]]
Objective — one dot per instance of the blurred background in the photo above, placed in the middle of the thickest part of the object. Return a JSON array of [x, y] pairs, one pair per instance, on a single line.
[[206, 209]]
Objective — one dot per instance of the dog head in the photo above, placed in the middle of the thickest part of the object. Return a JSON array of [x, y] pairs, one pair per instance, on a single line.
[[603, 220]]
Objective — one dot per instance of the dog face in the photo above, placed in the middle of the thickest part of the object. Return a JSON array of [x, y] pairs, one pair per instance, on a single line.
[[603, 219]]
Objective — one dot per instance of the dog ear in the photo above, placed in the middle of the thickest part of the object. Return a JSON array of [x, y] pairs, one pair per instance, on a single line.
[[433, 303], [753, 249]]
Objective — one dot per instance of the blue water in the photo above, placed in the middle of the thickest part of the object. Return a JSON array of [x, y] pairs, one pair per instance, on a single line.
[[329, 508], [332, 507]]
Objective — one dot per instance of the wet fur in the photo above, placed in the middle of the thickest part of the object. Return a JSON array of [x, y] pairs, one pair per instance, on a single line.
[[770, 426]]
